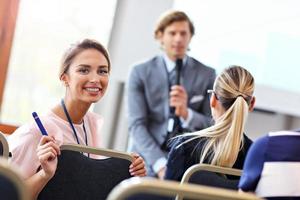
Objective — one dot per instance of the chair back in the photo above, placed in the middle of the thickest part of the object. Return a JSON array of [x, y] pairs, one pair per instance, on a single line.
[[80, 177], [210, 175], [12, 186], [279, 177], [4, 150]]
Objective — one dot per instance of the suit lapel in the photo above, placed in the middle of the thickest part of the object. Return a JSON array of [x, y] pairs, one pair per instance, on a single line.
[[189, 76], [160, 75], [160, 84]]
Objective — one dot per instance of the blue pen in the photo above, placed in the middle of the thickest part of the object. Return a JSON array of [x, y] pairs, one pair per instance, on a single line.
[[39, 123]]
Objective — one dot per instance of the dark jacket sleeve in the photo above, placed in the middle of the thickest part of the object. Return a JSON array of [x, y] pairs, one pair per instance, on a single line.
[[176, 161], [182, 156]]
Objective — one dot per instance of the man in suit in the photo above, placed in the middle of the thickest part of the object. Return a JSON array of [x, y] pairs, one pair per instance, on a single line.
[[152, 97]]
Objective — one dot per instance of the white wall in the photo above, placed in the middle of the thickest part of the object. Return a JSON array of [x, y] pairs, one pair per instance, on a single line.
[[260, 123], [131, 41]]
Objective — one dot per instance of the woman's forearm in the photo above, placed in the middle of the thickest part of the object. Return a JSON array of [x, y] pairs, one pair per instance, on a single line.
[[36, 183]]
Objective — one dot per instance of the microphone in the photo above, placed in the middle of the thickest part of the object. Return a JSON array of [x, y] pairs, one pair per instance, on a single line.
[[178, 70]]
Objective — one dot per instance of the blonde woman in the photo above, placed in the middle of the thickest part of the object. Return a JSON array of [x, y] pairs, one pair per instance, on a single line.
[[223, 144]]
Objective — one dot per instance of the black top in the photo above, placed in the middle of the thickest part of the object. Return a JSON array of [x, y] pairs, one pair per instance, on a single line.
[[183, 157]]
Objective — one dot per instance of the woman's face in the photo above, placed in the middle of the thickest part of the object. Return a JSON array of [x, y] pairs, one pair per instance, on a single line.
[[87, 77], [217, 110]]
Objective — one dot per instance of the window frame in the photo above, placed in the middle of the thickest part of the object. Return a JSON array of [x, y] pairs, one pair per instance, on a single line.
[[8, 18]]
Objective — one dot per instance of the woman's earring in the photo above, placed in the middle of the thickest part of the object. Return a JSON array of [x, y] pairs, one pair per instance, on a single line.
[[66, 84]]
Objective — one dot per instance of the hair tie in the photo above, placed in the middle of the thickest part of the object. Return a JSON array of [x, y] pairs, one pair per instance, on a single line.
[[247, 99]]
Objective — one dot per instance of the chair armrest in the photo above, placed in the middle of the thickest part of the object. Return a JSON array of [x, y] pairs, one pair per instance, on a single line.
[[211, 168], [137, 185]]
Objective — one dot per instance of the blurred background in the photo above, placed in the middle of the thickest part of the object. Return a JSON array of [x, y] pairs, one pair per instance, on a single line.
[[262, 36]]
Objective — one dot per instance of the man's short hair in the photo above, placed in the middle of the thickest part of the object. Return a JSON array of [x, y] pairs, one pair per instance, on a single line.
[[170, 17]]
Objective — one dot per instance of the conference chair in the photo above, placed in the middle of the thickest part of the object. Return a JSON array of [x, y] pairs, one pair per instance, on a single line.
[[131, 187], [210, 175], [80, 177], [4, 150], [12, 186]]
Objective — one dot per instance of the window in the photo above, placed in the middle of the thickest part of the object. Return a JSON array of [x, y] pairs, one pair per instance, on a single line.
[[44, 30], [240, 32], [262, 36]]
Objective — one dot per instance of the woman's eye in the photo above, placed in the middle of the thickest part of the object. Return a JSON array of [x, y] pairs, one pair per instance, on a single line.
[[103, 71], [83, 71]]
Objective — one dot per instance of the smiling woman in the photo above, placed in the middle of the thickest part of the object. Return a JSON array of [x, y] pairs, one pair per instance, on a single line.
[[85, 73]]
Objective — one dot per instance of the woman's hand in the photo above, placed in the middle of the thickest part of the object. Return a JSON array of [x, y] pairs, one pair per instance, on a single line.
[[47, 152], [137, 168]]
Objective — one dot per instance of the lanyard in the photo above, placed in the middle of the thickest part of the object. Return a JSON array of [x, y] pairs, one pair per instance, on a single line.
[[72, 126]]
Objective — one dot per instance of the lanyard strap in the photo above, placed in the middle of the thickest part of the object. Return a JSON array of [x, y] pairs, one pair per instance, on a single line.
[[72, 126]]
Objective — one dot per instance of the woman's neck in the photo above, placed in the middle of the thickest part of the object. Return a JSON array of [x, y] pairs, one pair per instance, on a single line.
[[76, 110]]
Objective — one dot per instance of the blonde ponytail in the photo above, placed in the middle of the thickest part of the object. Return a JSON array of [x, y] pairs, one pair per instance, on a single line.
[[234, 89]]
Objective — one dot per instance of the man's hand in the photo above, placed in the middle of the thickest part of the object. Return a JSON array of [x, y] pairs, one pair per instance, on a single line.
[[178, 99]]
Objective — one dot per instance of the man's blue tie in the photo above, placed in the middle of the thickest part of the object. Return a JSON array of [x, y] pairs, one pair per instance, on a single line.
[[174, 124]]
